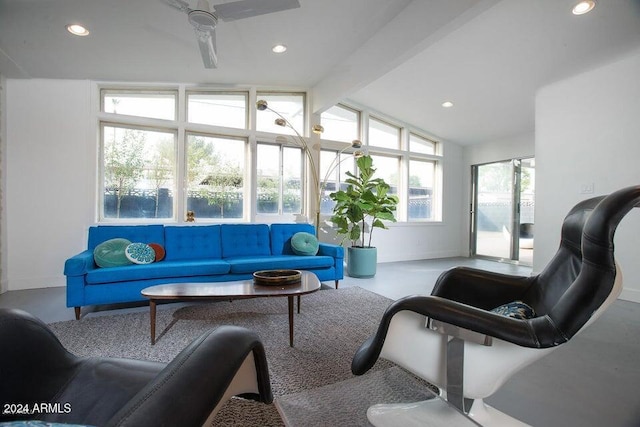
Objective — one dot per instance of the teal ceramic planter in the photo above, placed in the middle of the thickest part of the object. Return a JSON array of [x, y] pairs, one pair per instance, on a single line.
[[361, 262]]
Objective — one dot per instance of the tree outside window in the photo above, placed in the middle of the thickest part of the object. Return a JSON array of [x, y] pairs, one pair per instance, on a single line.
[[421, 190], [215, 176], [139, 170], [279, 173]]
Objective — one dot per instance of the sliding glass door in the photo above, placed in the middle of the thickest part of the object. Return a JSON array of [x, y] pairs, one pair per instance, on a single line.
[[502, 210]]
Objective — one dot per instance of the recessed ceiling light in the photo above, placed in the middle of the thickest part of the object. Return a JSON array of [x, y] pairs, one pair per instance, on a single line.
[[447, 104], [583, 7], [279, 48], [77, 30]]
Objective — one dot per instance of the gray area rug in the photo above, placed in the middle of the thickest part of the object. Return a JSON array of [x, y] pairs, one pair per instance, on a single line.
[[331, 326], [345, 404]]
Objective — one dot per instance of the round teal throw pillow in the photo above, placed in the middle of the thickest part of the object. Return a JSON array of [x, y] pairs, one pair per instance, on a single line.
[[140, 253], [111, 253], [304, 244]]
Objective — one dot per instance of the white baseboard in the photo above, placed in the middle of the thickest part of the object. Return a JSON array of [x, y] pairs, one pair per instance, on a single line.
[[35, 283], [632, 295], [418, 256], [4, 286]]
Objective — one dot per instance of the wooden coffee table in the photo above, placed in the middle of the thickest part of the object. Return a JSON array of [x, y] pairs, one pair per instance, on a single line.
[[228, 291]]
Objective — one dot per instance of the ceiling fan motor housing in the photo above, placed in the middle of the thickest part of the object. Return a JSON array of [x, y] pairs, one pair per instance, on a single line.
[[203, 19]]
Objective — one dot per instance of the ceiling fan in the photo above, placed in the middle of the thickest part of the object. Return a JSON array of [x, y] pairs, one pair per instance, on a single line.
[[204, 20]]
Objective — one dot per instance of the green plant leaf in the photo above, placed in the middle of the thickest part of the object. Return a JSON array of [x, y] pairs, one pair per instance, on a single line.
[[379, 224], [388, 216], [365, 199]]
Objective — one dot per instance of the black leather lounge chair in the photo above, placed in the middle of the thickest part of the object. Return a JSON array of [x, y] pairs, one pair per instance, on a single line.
[[36, 369], [454, 340]]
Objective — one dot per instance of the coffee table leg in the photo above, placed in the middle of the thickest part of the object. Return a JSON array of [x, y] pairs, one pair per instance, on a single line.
[[298, 304], [152, 316], [290, 298]]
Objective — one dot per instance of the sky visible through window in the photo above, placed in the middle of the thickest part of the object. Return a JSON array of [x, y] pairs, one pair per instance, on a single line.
[[229, 110]]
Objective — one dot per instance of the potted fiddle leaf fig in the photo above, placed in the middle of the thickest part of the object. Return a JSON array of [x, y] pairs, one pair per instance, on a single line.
[[359, 210]]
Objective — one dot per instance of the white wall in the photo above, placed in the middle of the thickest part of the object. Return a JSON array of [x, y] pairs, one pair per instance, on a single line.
[[50, 146], [413, 241], [51, 181], [520, 146], [588, 134], [496, 151]]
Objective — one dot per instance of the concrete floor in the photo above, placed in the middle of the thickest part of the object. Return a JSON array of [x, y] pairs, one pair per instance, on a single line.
[[589, 381], [497, 245]]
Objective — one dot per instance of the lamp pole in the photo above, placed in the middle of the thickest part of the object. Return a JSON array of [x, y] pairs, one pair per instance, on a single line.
[[356, 145], [262, 105], [319, 186]]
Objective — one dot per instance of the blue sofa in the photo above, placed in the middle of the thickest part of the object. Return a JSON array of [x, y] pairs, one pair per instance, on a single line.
[[195, 253]]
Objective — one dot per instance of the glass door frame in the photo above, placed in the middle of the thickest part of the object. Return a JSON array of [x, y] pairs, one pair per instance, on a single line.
[[516, 177]]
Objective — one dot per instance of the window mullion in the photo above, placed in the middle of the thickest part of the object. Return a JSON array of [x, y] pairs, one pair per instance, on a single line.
[[403, 188], [180, 198], [281, 180]]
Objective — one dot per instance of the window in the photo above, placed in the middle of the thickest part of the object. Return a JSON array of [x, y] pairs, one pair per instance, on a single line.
[[408, 161], [215, 176], [153, 104], [382, 134], [139, 172], [146, 147], [158, 162], [418, 144], [289, 105], [341, 123], [279, 173], [218, 109], [387, 168], [421, 189], [333, 176]]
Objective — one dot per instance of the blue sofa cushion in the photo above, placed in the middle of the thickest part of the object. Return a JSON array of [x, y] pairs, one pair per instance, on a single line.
[[160, 270], [239, 240], [305, 244], [281, 235], [112, 253], [192, 242], [243, 265], [134, 233]]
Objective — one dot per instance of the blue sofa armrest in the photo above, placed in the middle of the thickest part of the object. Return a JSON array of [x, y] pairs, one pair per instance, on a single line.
[[80, 264], [328, 249], [337, 252]]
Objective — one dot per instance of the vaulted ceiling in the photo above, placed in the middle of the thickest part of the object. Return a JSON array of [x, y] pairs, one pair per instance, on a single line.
[[402, 58]]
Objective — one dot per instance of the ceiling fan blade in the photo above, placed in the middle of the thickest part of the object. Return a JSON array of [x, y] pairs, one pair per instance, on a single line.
[[207, 45], [181, 5], [248, 8]]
